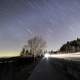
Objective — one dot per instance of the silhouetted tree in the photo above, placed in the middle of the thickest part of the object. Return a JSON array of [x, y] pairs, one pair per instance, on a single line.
[[26, 52], [72, 46], [36, 45], [22, 52]]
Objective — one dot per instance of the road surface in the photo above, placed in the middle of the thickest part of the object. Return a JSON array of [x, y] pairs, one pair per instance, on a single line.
[[50, 69]]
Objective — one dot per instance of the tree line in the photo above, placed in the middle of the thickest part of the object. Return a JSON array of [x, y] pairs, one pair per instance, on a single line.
[[34, 47], [71, 46]]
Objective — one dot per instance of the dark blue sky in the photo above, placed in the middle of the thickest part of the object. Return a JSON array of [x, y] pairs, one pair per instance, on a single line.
[[58, 21]]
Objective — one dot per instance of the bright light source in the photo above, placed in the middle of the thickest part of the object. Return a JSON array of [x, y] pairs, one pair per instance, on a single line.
[[47, 55], [69, 56]]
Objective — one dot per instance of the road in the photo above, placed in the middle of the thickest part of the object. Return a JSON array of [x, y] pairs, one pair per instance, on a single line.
[[50, 69]]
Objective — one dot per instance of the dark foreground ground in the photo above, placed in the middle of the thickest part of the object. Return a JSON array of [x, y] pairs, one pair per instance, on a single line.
[[56, 69], [47, 69], [17, 68]]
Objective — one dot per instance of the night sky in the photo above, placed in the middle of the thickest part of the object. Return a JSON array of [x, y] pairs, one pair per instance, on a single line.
[[57, 21]]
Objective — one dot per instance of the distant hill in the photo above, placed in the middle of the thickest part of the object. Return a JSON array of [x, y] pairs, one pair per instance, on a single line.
[[71, 46]]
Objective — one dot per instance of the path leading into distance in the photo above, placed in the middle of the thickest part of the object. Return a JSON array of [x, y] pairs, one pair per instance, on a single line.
[[52, 67], [47, 69]]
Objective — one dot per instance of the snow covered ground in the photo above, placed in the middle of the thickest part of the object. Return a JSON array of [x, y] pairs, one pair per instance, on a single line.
[[69, 56]]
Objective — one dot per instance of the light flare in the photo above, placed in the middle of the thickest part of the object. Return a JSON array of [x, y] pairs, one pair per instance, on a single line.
[[47, 55], [69, 56]]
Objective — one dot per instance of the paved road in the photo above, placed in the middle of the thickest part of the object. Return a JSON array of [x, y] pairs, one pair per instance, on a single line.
[[48, 69]]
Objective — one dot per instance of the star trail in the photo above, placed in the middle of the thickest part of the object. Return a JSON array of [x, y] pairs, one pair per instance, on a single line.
[[57, 21]]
